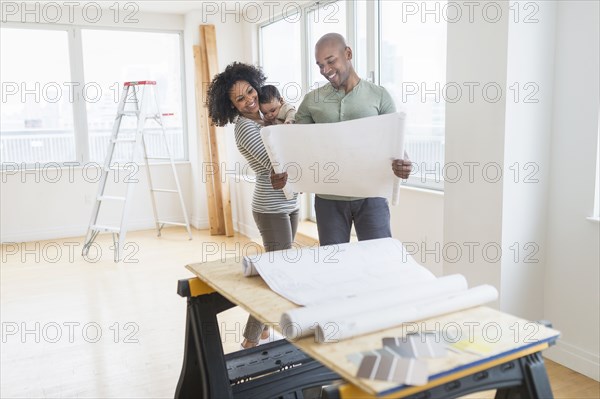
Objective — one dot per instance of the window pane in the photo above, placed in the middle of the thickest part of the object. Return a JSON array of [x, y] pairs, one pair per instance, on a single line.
[[328, 18], [36, 117], [360, 47], [413, 55], [281, 54], [111, 58]]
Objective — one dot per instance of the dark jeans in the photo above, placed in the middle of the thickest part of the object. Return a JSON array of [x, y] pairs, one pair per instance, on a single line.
[[277, 231], [371, 217]]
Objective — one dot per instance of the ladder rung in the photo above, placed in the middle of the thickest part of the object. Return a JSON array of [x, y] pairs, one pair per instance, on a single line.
[[140, 82], [163, 190], [105, 228], [110, 197], [172, 223], [129, 113], [134, 113]]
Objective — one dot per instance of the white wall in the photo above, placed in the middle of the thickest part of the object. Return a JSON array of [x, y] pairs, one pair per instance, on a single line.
[[543, 210], [417, 222], [529, 83], [572, 280], [475, 126], [55, 203]]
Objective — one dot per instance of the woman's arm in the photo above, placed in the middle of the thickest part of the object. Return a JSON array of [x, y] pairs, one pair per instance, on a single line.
[[247, 136]]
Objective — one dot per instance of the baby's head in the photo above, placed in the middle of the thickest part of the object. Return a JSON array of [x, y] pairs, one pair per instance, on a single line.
[[270, 102]]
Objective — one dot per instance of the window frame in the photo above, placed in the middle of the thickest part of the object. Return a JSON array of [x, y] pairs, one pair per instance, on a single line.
[[80, 125]]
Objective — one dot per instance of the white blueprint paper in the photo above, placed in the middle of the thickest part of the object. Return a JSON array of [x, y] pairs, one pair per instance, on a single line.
[[312, 275], [350, 158], [300, 322]]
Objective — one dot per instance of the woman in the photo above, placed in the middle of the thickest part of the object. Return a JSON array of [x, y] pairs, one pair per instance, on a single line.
[[233, 98]]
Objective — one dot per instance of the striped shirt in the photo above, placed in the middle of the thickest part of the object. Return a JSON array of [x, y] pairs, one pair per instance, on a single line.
[[265, 198]]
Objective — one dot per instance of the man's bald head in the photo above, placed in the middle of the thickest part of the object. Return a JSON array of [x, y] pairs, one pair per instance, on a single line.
[[334, 59], [331, 39]]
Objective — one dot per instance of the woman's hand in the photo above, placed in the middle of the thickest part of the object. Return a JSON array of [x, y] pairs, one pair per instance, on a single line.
[[278, 180]]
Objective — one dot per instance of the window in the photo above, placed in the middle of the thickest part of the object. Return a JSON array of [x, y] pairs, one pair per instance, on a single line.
[[414, 71], [281, 57], [361, 20], [36, 117], [60, 96], [113, 57]]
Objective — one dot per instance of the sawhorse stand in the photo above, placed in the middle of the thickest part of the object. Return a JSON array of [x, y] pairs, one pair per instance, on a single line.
[[280, 370]]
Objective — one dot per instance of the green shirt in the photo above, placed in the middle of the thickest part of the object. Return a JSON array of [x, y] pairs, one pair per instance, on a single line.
[[327, 105]]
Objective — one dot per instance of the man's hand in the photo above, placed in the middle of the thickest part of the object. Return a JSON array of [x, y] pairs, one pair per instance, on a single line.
[[278, 180], [402, 167]]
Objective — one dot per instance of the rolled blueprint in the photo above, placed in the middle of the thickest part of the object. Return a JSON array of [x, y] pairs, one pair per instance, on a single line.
[[301, 322], [248, 268], [347, 326]]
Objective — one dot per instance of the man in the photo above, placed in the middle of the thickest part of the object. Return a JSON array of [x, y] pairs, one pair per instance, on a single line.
[[345, 97]]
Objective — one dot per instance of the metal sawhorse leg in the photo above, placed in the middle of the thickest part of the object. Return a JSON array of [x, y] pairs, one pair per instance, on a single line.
[[274, 370]]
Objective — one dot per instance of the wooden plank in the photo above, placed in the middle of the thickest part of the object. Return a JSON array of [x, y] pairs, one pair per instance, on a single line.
[[216, 135], [491, 332], [214, 159], [202, 121]]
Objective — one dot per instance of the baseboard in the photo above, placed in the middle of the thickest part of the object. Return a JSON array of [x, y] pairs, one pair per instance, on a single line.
[[250, 231], [76, 231], [307, 234], [575, 358], [200, 223]]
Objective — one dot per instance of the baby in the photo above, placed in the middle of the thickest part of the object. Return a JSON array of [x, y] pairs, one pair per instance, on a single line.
[[275, 110]]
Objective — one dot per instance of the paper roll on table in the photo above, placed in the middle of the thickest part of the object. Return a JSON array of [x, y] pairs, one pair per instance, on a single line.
[[348, 326], [248, 268], [299, 322]]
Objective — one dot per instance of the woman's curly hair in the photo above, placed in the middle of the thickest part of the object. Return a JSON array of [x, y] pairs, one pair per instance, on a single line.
[[219, 105]]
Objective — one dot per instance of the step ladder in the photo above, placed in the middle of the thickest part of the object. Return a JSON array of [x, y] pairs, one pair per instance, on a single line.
[[139, 96]]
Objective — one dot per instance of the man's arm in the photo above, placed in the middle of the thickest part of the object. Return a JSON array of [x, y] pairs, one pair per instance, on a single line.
[[303, 114]]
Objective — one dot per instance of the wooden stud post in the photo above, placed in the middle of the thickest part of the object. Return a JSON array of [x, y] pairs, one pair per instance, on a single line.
[[208, 46], [208, 174]]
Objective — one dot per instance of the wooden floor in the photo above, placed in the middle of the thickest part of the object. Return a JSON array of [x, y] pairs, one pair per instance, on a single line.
[[92, 328]]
